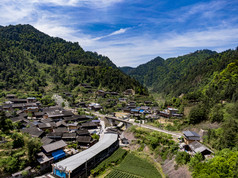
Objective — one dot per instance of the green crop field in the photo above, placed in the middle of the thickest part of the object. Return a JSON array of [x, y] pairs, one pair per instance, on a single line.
[[120, 174], [133, 166], [114, 159]]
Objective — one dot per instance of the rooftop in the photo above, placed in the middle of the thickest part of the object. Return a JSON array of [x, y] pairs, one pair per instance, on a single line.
[[197, 147], [77, 160], [189, 133], [54, 146]]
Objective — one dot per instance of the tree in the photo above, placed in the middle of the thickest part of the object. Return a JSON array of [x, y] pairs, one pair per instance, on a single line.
[[33, 147], [216, 113], [195, 160], [5, 123], [18, 140], [230, 133], [182, 157], [224, 164], [197, 114]]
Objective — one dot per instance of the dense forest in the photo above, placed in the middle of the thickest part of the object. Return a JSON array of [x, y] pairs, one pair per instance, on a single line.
[[160, 74], [32, 60]]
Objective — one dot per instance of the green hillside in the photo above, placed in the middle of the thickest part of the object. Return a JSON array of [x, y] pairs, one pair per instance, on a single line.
[[161, 75], [32, 60]]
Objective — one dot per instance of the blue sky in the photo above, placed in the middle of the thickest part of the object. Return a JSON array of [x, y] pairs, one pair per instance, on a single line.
[[131, 32]]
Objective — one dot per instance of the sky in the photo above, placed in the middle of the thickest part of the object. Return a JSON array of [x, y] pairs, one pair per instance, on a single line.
[[131, 32]]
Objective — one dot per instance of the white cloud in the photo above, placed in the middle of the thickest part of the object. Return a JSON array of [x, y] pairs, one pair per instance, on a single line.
[[118, 32], [204, 9], [79, 3], [15, 11], [142, 48]]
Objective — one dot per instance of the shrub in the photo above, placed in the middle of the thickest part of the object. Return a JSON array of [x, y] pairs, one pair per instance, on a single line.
[[182, 158]]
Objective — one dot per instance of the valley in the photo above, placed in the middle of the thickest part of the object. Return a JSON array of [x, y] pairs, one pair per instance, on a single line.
[[66, 112]]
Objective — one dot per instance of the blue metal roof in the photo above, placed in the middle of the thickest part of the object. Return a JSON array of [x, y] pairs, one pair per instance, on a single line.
[[142, 110], [58, 154]]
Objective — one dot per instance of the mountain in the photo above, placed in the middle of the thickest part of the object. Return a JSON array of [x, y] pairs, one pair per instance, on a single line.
[[205, 71], [32, 60], [160, 74], [126, 69], [147, 73]]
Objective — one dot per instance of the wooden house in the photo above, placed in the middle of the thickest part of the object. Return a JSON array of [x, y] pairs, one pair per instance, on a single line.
[[190, 136]]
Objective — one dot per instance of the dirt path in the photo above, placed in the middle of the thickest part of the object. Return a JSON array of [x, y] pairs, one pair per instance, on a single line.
[[170, 170], [59, 100]]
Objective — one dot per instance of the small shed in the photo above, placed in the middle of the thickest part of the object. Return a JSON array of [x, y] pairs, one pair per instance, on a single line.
[[197, 147]]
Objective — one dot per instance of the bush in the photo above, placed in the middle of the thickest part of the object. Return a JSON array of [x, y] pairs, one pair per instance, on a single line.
[[95, 136], [182, 158], [197, 114], [216, 114], [18, 140], [197, 158]]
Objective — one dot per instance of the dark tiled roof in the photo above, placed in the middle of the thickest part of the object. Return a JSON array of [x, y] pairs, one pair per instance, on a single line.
[[190, 134], [33, 131], [68, 135], [55, 135], [197, 147], [46, 120], [44, 125], [17, 119], [89, 124], [84, 139], [61, 129], [61, 123], [39, 114], [20, 105], [46, 140], [54, 146], [82, 132], [70, 119], [18, 100]]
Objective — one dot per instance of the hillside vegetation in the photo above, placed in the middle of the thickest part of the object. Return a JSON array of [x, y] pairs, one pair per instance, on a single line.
[[160, 74], [207, 83], [32, 60]]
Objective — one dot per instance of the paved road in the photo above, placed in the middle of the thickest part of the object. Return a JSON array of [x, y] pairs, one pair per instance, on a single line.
[[174, 134]]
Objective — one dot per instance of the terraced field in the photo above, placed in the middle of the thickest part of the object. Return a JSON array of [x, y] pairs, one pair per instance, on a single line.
[[134, 167], [120, 174]]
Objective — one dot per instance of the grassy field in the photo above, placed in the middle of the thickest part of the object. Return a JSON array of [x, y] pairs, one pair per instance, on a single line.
[[133, 166]]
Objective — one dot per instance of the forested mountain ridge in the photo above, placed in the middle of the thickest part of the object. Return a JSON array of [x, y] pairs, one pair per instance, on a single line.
[[31, 60], [217, 75], [126, 69], [147, 73], [160, 74], [50, 50]]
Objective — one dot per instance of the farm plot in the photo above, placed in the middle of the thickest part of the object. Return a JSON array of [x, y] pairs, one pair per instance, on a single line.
[[113, 160], [135, 166], [121, 174]]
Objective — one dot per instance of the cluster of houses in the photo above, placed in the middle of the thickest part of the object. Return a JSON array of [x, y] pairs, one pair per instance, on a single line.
[[170, 112], [192, 144], [27, 105], [54, 126], [58, 128]]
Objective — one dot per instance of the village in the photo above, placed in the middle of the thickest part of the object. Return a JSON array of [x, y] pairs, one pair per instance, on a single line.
[[75, 139]]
